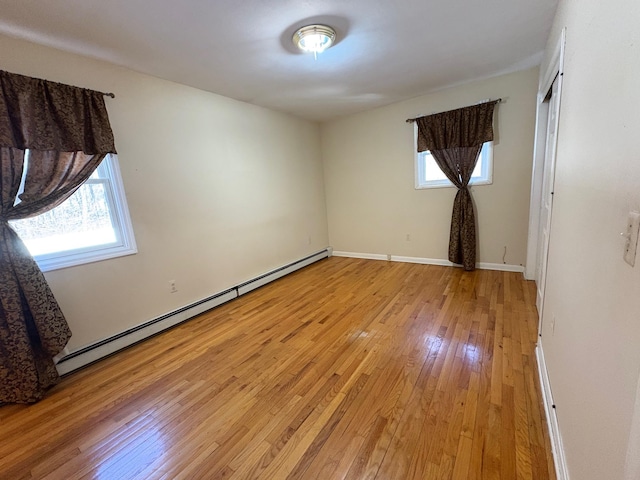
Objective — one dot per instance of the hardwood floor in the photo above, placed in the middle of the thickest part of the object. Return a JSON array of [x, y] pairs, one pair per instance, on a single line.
[[348, 369]]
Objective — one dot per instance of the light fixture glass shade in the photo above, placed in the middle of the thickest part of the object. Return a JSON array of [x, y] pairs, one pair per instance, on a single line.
[[314, 38]]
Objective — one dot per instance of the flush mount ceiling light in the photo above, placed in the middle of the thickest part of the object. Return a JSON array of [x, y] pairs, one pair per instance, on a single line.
[[314, 38]]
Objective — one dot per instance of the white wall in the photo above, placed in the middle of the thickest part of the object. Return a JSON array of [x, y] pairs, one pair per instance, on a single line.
[[219, 191], [593, 356], [369, 176]]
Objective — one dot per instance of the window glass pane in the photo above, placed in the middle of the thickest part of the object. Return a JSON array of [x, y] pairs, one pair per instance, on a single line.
[[84, 220], [432, 169], [433, 172], [429, 175], [477, 171]]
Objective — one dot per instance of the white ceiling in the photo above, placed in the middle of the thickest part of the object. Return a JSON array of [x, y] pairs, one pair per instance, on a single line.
[[386, 51]]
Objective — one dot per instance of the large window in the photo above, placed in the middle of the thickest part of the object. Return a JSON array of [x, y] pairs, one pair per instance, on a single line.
[[429, 175], [93, 224]]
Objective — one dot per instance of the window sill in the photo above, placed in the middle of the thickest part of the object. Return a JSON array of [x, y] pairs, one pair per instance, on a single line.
[[75, 258], [451, 185]]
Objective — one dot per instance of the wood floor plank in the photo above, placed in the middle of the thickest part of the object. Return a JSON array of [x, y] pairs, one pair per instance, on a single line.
[[347, 369]]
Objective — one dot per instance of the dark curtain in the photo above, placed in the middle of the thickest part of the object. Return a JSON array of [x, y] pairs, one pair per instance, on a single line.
[[455, 139], [65, 132]]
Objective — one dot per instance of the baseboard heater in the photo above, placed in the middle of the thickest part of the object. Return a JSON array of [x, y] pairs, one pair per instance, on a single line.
[[96, 351]]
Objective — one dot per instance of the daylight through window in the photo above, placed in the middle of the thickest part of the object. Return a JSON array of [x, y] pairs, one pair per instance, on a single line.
[[93, 224], [429, 175]]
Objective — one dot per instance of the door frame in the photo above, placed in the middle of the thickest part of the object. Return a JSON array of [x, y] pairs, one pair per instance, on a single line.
[[555, 69]]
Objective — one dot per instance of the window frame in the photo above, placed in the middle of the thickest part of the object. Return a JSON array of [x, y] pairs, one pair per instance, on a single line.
[[485, 178], [125, 243]]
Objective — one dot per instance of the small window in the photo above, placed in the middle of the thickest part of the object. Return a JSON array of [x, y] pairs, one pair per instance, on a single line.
[[91, 225], [429, 175]]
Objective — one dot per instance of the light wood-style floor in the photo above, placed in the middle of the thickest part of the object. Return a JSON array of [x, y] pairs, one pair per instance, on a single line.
[[348, 369]]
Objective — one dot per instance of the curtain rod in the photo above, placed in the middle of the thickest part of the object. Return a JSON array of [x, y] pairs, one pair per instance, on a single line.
[[106, 94], [497, 100]]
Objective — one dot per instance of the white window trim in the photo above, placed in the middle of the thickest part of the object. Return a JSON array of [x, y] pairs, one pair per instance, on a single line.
[[486, 177], [125, 241]]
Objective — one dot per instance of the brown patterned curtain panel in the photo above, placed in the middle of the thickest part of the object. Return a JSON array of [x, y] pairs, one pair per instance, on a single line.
[[64, 133], [455, 139]]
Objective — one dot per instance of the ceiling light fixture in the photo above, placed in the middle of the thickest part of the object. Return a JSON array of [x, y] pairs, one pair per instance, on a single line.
[[314, 38]]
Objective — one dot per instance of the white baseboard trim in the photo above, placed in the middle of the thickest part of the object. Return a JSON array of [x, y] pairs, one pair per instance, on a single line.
[[424, 261], [366, 256], [562, 472], [84, 356], [529, 273], [503, 267], [429, 261]]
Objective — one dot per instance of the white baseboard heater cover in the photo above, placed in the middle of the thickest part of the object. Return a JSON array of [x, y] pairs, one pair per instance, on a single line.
[[94, 352]]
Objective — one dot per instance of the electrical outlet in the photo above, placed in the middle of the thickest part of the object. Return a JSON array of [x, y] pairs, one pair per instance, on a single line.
[[408, 238], [172, 286], [309, 239], [631, 235]]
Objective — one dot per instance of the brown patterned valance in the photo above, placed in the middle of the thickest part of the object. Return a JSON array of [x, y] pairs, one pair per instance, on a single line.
[[53, 116], [463, 127]]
